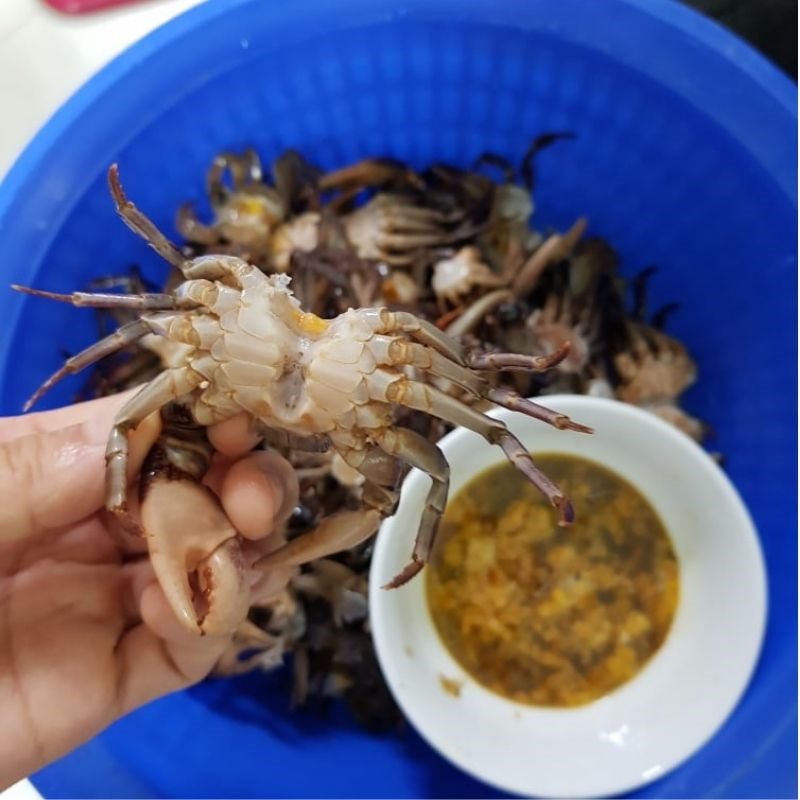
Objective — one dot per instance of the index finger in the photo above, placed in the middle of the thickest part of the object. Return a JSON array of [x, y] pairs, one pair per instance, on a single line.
[[54, 474], [101, 411]]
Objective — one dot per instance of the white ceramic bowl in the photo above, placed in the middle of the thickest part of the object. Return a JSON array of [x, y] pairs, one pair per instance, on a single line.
[[681, 697]]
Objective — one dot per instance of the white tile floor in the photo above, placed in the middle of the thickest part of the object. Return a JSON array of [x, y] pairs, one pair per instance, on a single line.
[[44, 57]]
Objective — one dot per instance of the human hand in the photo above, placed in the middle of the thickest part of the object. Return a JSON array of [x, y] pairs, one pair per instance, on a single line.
[[86, 634]]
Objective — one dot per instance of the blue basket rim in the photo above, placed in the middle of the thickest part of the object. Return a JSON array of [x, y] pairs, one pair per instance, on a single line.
[[700, 28]]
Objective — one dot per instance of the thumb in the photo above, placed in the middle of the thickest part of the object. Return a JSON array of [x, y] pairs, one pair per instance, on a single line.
[[53, 478]]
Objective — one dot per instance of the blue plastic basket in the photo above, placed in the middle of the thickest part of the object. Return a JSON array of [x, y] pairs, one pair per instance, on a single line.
[[685, 157]]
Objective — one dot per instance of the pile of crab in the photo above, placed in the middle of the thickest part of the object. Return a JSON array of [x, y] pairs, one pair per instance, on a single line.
[[444, 260]]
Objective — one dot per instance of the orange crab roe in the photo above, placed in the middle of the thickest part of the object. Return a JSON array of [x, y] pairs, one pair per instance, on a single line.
[[552, 616]]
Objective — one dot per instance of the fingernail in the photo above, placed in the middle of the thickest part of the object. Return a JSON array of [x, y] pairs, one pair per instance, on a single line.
[[282, 480]]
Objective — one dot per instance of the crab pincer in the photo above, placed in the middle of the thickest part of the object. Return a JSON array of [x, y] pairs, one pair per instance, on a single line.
[[195, 551]]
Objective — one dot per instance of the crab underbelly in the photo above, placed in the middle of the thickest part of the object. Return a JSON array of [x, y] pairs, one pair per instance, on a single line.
[[305, 406]]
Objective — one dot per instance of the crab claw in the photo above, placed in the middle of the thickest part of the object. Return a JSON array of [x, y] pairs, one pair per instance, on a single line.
[[196, 554]]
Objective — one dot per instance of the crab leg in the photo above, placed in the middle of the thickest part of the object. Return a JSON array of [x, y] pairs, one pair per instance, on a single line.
[[399, 352], [639, 290], [555, 248], [394, 352], [369, 172], [341, 531], [346, 529], [243, 169], [295, 180], [400, 241], [426, 398], [140, 224], [521, 459], [515, 402], [411, 218], [146, 301], [382, 473], [539, 143], [376, 464], [135, 370], [290, 441], [397, 260], [508, 361], [498, 162], [420, 453], [190, 228], [385, 321], [659, 318], [99, 350], [472, 317], [167, 386]]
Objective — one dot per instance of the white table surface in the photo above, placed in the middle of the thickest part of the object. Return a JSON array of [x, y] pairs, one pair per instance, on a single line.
[[44, 57]]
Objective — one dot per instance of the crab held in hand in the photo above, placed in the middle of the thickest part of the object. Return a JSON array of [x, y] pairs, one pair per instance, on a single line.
[[308, 382]]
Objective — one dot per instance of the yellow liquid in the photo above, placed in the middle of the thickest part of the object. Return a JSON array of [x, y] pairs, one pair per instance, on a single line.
[[544, 615]]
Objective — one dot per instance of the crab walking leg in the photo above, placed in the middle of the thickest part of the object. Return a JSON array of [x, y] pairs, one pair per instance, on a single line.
[[395, 352], [404, 392], [509, 361], [92, 354], [339, 532], [499, 162], [398, 351], [140, 224], [191, 229], [385, 321], [416, 240], [274, 437], [426, 218], [243, 169], [369, 172], [213, 268], [389, 351], [413, 227], [515, 402], [131, 372], [147, 301], [349, 528], [467, 321], [553, 249], [378, 466], [382, 473], [521, 459], [426, 456], [167, 386], [398, 260]]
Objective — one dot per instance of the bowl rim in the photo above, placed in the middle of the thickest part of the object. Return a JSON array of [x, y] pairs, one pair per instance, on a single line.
[[404, 691]]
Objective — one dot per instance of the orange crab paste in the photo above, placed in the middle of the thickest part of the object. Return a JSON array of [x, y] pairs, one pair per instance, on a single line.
[[551, 616]]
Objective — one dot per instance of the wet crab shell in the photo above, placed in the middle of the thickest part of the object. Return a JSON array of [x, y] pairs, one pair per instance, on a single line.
[[457, 276]]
